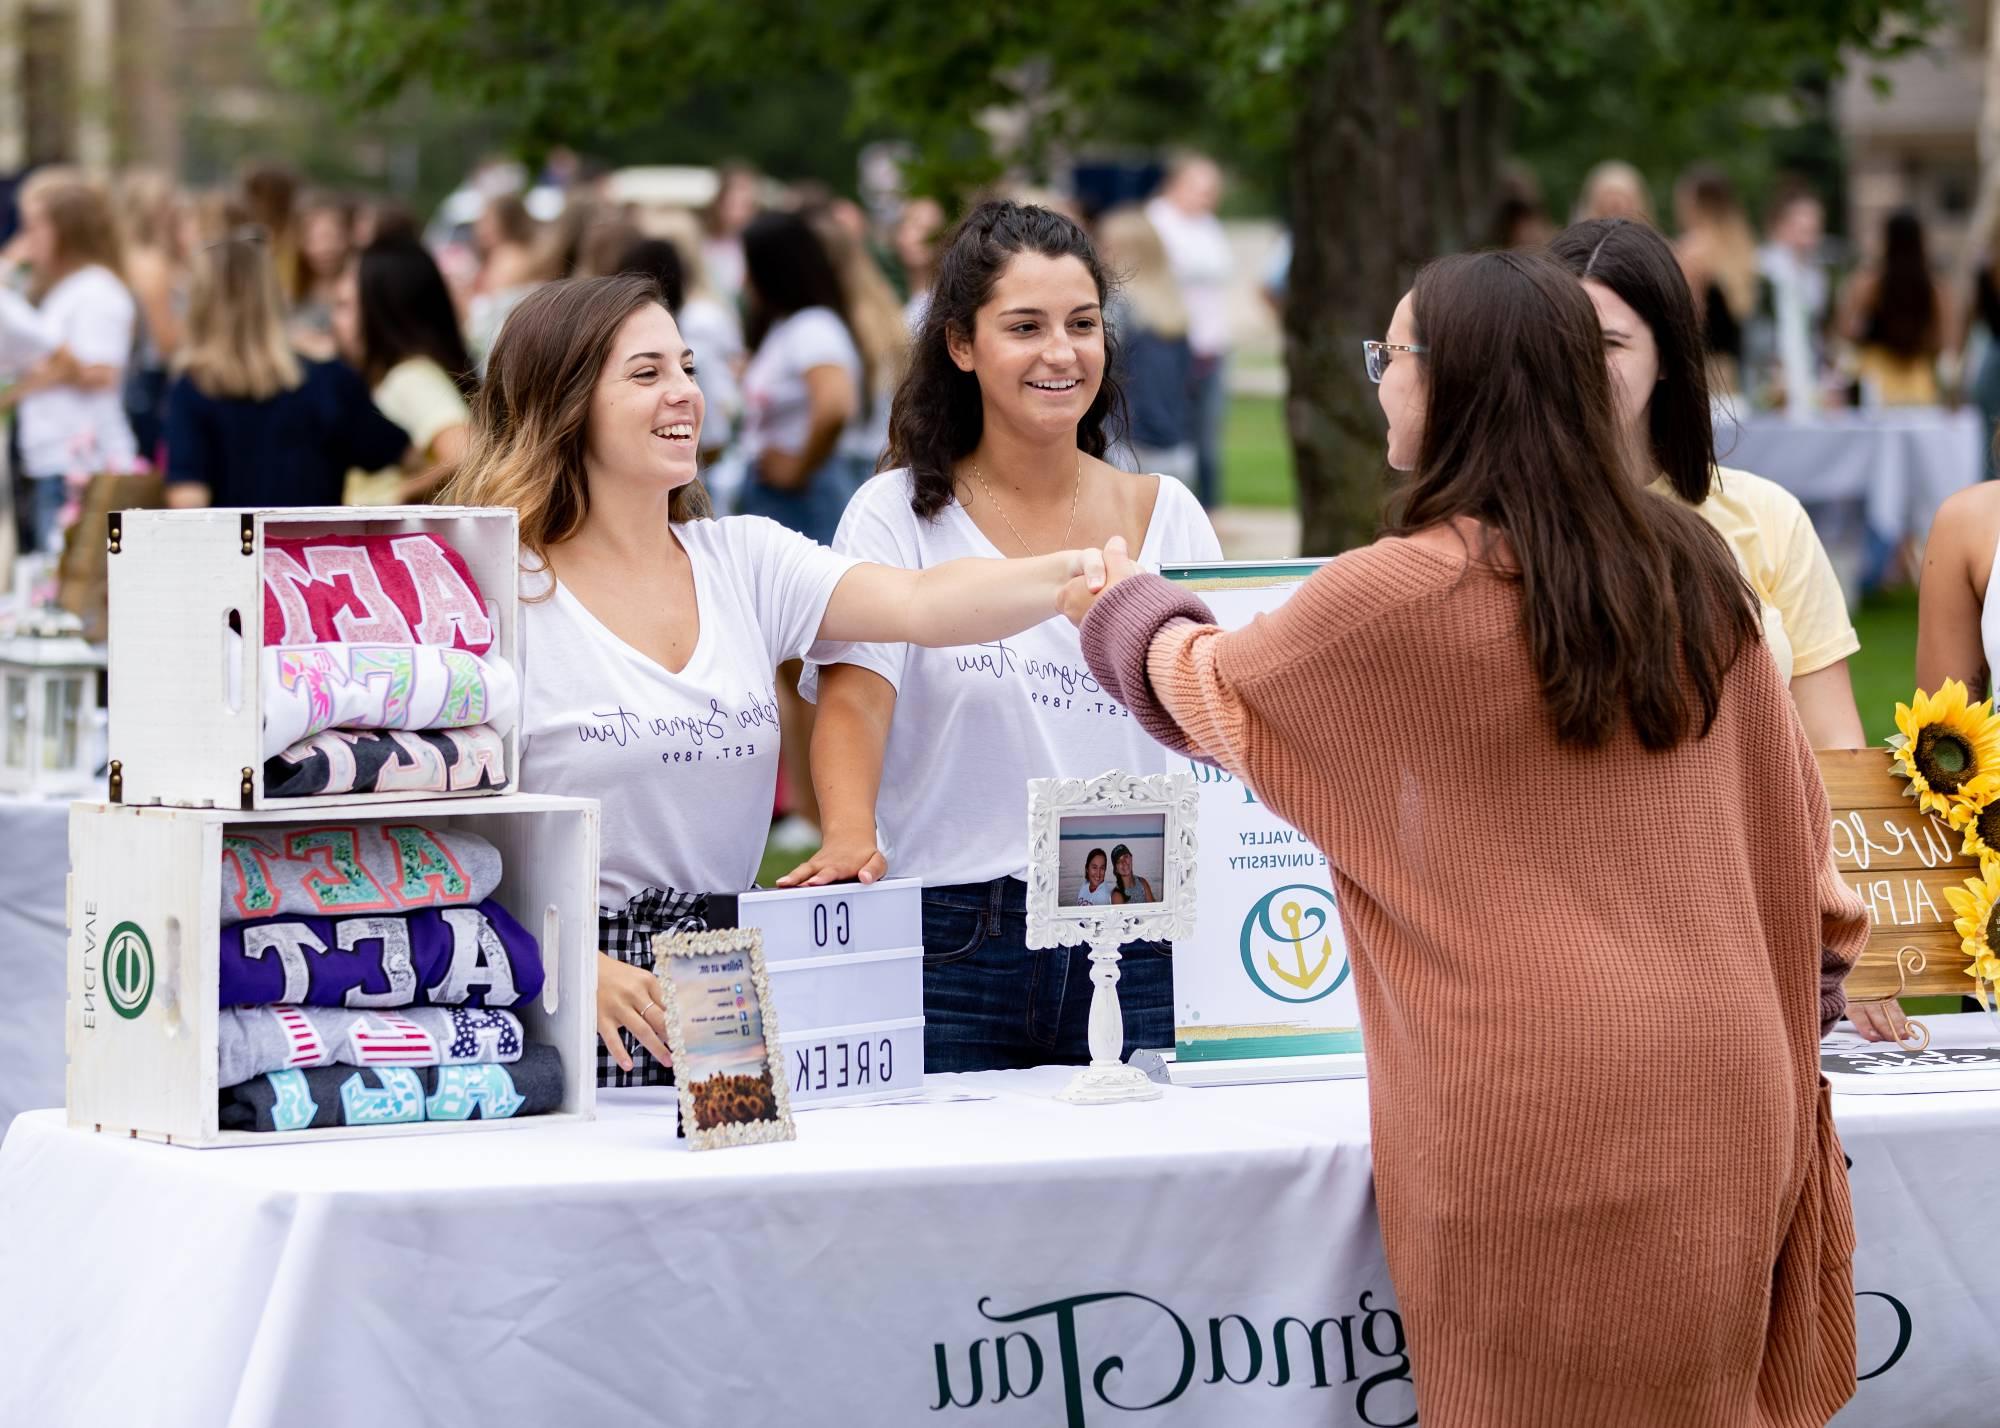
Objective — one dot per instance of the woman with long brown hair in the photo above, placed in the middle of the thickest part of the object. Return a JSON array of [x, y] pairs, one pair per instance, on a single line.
[[1570, 815], [651, 632], [1896, 313]]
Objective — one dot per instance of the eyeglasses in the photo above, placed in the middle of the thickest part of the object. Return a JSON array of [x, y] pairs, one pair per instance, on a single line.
[[1377, 354]]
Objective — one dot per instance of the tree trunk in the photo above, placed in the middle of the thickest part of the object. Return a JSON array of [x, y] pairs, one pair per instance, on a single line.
[[1385, 174]]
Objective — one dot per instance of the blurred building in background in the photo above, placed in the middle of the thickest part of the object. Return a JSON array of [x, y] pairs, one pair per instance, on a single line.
[[1914, 144], [183, 85]]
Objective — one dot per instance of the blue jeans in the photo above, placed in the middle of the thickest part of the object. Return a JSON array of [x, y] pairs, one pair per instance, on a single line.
[[992, 1002], [49, 494], [1209, 393], [814, 510]]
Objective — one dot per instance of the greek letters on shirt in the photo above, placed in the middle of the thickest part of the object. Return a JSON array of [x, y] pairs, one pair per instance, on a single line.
[[719, 732], [457, 956], [412, 589], [1046, 683]]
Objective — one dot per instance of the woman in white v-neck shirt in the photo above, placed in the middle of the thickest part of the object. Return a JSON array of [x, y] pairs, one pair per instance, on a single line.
[[999, 430], [650, 633]]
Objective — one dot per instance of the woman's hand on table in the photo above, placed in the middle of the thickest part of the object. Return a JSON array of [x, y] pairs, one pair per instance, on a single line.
[[1075, 599], [1879, 1021], [629, 997], [840, 859]]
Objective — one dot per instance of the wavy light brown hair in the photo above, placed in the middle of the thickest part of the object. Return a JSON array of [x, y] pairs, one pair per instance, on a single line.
[[1632, 606], [236, 344], [86, 229], [531, 417]]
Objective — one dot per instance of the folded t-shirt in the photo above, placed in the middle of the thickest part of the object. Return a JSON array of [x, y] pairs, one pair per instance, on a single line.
[[454, 956], [389, 1095], [358, 761], [256, 1040], [308, 688], [340, 869], [373, 589]]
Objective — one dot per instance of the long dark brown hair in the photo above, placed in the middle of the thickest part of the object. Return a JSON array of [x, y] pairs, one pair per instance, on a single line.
[[937, 417], [531, 418], [1632, 606], [1634, 261], [406, 312], [1904, 318]]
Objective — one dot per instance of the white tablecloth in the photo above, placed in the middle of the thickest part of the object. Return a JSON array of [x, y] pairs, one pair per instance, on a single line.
[[34, 864], [1016, 1260], [1896, 466]]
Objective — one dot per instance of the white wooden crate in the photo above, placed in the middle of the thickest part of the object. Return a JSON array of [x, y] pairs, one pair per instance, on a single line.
[[153, 1073], [847, 983], [181, 581]]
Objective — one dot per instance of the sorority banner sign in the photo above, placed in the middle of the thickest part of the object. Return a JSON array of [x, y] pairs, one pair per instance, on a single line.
[[1267, 972]]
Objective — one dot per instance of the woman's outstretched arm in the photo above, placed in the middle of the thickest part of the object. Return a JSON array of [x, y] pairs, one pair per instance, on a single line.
[[961, 602]]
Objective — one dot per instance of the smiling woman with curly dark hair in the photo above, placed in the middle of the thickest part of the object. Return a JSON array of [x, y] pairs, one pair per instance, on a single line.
[[998, 438]]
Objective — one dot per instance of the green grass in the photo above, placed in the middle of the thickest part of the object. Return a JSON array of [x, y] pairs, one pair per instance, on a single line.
[[1257, 454], [1885, 670]]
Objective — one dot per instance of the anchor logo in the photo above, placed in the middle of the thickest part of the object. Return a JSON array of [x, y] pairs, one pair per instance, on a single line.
[[1292, 913], [1300, 971]]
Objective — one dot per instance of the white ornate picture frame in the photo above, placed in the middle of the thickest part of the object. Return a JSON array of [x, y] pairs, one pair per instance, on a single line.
[[708, 979], [1051, 800], [1174, 799]]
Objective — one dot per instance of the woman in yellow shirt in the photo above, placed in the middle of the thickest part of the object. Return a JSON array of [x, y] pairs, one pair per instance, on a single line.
[[1652, 341], [393, 319]]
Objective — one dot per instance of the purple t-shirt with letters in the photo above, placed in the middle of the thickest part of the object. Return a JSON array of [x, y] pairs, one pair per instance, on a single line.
[[453, 956]]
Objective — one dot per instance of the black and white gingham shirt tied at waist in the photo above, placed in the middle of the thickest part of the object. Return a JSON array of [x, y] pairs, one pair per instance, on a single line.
[[627, 934]]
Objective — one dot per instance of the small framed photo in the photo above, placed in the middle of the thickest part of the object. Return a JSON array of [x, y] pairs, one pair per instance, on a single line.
[[724, 1037], [1110, 858]]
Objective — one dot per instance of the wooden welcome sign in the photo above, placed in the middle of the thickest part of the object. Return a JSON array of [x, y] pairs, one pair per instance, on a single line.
[[1899, 860]]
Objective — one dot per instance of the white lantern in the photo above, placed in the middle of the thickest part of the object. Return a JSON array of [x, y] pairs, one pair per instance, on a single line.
[[48, 707]]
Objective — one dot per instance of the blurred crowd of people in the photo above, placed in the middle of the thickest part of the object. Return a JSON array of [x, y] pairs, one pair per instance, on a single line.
[[263, 343], [1785, 327]]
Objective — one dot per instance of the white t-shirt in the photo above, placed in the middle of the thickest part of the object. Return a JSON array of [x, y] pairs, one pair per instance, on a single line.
[[974, 723], [66, 429], [777, 411], [1198, 251], [684, 764]]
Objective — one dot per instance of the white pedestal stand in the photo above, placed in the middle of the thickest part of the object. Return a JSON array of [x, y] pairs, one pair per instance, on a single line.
[[1107, 1080]]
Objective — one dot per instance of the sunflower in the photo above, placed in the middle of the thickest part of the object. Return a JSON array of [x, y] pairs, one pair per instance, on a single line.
[[1978, 907], [1976, 814], [1948, 747]]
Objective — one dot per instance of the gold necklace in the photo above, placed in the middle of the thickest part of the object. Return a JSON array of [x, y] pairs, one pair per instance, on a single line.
[[1075, 495]]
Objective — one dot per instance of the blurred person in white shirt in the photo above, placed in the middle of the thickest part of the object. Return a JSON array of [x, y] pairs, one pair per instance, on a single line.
[[1184, 215], [69, 341]]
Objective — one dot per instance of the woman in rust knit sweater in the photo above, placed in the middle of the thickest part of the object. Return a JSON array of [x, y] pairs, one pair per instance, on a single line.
[[1580, 845]]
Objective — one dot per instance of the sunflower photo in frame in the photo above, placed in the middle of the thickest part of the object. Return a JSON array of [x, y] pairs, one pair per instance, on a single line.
[[724, 1038]]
